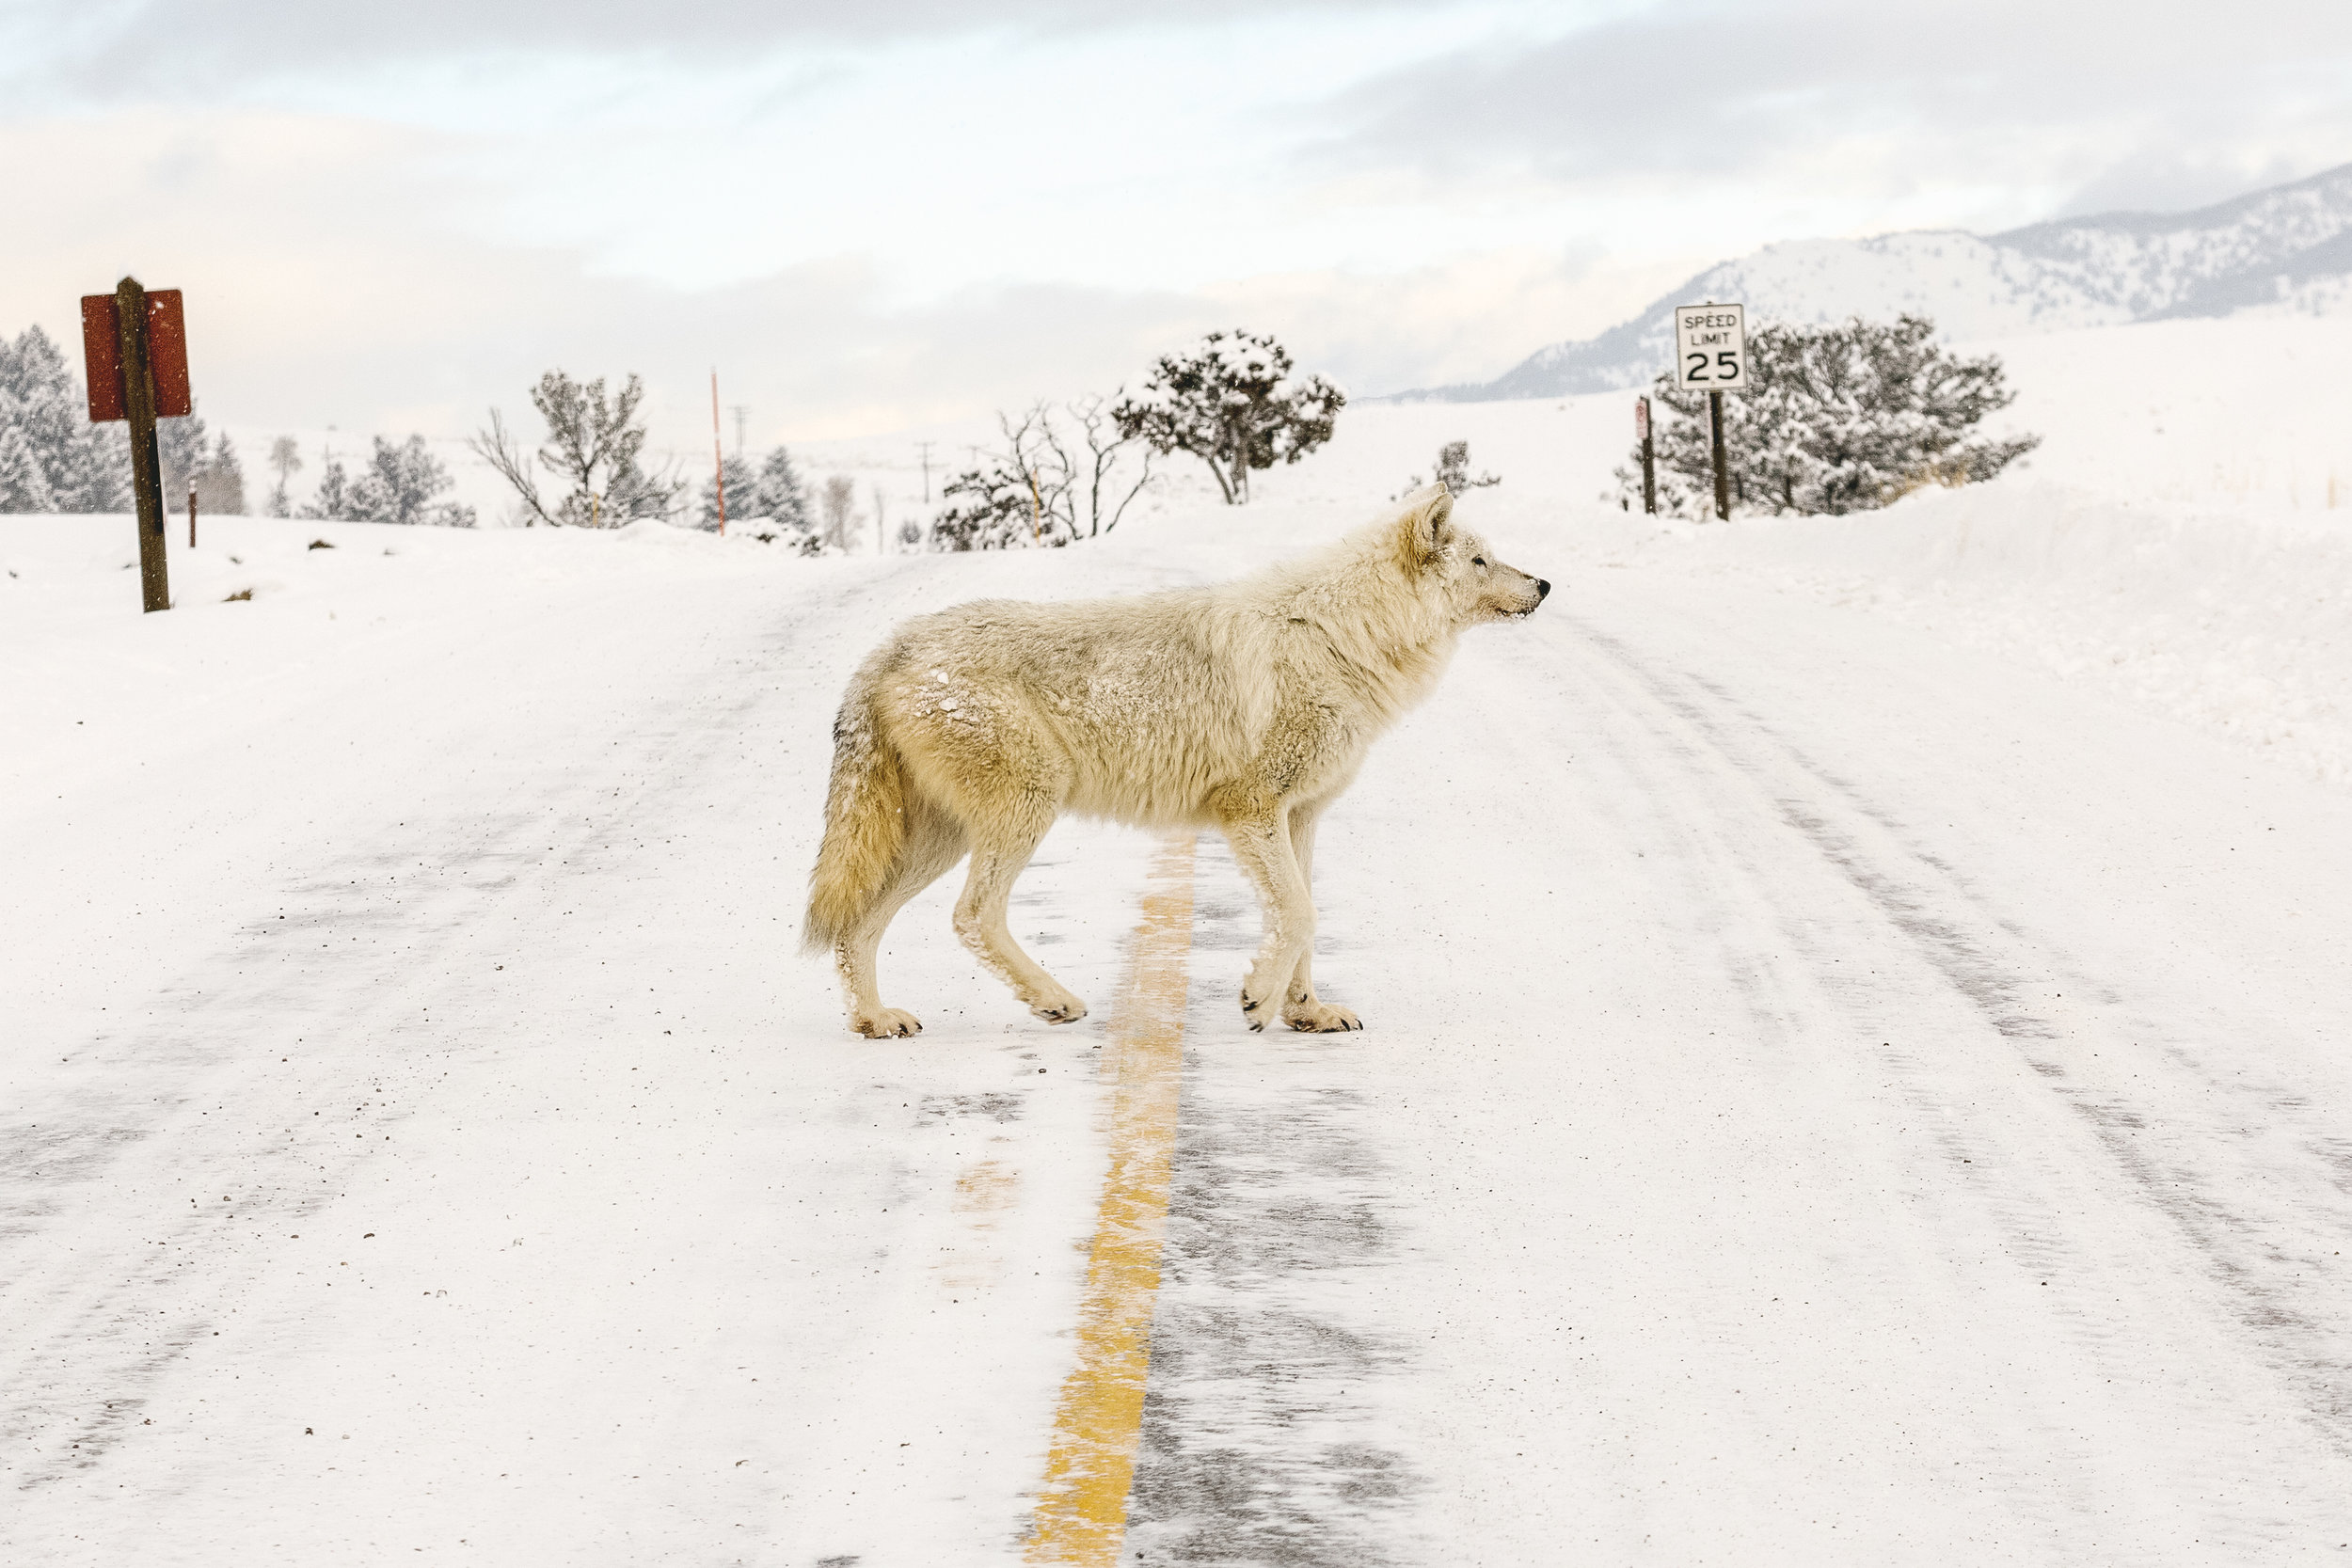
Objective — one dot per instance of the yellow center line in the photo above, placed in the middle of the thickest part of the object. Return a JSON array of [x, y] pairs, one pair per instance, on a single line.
[[1082, 1509]]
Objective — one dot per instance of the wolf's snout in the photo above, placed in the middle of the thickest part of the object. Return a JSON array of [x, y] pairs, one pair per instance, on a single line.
[[1543, 589]]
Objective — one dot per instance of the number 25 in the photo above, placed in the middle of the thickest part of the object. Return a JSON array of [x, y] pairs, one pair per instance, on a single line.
[[1727, 367]]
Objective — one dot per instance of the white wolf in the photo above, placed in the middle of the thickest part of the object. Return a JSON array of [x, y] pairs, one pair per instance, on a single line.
[[1247, 707]]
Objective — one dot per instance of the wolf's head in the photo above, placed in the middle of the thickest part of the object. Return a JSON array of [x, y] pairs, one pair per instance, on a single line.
[[1456, 568]]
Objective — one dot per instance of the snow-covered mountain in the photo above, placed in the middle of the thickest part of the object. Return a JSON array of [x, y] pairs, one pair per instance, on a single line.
[[2289, 248]]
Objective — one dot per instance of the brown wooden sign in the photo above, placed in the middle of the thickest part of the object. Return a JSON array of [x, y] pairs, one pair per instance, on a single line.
[[166, 356]]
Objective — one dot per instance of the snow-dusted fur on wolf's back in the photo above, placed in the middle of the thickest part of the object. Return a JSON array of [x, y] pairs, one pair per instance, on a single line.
[[1247, 707]]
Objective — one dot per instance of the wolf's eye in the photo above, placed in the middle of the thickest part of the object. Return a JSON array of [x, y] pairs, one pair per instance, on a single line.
[[1478, 561]]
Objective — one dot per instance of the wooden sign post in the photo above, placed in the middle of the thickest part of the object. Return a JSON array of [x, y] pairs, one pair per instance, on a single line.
[[1650, 456], [135, 346], [1711, 353]]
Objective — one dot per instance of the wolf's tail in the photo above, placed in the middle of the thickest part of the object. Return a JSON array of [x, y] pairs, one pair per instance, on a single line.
[[865, 821]]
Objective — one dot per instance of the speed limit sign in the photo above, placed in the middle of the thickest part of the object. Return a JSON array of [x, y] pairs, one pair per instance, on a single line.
[[1711, 342]]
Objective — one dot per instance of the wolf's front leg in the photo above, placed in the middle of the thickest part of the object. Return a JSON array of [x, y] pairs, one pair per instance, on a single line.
[[1262, 846], [1302, 1009]]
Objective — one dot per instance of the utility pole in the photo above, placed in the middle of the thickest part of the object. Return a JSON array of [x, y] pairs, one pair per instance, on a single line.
[[718, 457], [926, 447], [740, 411]]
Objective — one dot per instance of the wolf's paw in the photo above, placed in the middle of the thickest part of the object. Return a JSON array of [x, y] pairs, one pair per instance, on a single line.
[[1254, 1009], [1316, 1016], [884, 1023], [1064, 1009]]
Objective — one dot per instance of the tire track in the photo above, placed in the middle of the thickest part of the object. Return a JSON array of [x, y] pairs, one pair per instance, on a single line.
[[2265, 1236], [258, 1062]]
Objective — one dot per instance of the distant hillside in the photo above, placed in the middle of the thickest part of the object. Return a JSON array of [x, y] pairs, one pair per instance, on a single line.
[[2287, 247]]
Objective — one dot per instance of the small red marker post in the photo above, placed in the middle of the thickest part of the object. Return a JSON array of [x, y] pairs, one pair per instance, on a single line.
[[191, 514], [135, 346]]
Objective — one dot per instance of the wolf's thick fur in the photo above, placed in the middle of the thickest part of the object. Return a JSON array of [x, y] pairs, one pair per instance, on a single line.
[[1247, 707]]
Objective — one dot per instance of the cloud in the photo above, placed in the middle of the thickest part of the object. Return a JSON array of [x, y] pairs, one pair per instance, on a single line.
[[324, 287], [114, 48], [428, 205], [1919, 93]]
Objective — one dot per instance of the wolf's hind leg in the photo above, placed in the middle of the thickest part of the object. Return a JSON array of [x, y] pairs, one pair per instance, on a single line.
[[1263, 846], [933, 844], [1000, 850], [1302, 1009]]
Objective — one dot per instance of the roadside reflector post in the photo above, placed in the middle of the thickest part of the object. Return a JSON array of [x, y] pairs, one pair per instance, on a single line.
[[1711, 356], [191, 514], [134, 345], [1650, 456]]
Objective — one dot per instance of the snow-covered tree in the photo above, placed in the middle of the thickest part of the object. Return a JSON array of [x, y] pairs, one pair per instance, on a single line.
[[592, 447], [1234, 404], [24, 483], [1836, 419], [1453, 471], [399, 485], [837, 503], [220, 480], [179, 449], [333, 498], [782, 499], [189, 459], [93, 474], [285, 460], [84, 467], [742, 494], [1061, 474]]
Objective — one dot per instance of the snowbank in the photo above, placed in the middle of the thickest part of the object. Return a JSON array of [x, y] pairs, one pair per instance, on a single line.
[[2240, 625]]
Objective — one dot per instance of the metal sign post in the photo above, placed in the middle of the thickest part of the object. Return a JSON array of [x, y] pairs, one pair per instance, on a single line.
[[1711, 356], [135, 346]]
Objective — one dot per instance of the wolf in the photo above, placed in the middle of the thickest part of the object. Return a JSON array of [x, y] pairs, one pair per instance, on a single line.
[[1247, 707]]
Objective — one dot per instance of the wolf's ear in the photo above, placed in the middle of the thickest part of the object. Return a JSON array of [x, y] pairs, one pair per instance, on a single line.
[[1427, 527]]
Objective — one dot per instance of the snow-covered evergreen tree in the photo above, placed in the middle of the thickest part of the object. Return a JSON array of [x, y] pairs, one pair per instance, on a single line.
[[333, 499], [399, 485], [84, 467], [1453, 471], [93, 472], [23, 486], [783, 500], [1836, 419], [180, 449], [220, 481], [742, 494]]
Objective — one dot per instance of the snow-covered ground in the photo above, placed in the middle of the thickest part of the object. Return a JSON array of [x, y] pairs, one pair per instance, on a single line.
[[1854, 1071]]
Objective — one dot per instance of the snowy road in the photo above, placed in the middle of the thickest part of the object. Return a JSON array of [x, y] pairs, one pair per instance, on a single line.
[[1828, 1097]]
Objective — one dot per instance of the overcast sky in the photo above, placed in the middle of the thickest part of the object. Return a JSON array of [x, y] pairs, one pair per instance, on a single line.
[[870, 214]]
